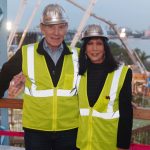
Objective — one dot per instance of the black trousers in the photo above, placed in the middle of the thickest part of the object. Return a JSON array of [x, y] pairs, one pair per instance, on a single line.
[[50, 140]]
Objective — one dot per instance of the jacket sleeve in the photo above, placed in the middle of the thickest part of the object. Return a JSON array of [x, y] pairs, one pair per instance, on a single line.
[[9, 69], [126, 113]]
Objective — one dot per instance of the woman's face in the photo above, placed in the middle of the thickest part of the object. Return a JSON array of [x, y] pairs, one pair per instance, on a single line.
[[95, 50]]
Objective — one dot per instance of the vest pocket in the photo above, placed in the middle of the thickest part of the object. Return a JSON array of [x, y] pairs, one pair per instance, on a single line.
[[105, 130], [68, 81]]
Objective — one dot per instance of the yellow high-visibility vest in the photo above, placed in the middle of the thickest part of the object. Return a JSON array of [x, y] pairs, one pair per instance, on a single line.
[[46, 107], [98, 124]]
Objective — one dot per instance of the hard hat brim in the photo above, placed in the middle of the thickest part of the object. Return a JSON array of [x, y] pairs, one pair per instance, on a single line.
[[94, 35], [53, 22]]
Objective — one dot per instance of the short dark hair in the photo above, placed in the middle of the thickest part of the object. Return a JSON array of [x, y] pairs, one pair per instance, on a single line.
[[111, 63]]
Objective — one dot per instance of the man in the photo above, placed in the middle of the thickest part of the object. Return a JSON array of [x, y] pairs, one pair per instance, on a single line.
[[50, 109]]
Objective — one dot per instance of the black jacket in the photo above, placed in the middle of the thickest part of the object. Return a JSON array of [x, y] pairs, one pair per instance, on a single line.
[[96, 76]]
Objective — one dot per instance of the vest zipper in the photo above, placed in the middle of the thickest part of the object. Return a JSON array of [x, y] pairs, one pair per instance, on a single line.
[[54, 125], [90, 130]]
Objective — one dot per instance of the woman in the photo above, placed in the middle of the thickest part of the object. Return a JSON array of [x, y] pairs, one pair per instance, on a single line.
[[104, 96]]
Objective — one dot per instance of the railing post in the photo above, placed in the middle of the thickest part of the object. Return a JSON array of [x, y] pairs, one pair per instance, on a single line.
[[5, 123]]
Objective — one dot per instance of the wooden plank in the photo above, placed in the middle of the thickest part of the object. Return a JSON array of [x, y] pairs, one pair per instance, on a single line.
[[141, 129], [141, 113], [11, 103]]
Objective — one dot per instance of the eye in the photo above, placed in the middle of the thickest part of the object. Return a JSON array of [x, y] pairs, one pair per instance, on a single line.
[[62, 27], [99, 42], [89, 43], [51, 26]]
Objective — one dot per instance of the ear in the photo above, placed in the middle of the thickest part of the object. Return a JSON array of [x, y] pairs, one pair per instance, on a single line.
[[66, 27], [42, 29]]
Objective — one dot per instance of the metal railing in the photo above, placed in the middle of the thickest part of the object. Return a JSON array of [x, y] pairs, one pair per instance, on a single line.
[[17, 104]]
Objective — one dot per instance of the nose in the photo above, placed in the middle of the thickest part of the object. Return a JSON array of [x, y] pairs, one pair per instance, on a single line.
[[56, 31], [94, 47]]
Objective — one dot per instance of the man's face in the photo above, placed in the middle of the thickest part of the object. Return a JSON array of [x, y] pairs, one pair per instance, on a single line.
[[54, 34]]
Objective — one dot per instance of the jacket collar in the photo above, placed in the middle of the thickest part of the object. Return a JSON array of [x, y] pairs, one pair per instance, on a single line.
[[41, 50]]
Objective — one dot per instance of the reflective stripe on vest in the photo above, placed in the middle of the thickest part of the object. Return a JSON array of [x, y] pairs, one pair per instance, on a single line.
[[109, 114], [114, 87], [49, 92]]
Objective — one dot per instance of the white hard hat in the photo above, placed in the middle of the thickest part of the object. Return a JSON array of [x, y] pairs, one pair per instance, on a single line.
[[93, 30], [53, 14]]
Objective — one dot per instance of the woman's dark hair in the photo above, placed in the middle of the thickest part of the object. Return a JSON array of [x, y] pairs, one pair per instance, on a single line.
[[110, 62]]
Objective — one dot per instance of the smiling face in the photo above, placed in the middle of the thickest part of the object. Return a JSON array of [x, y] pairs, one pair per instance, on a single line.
[[95, 50], [54, 34]]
